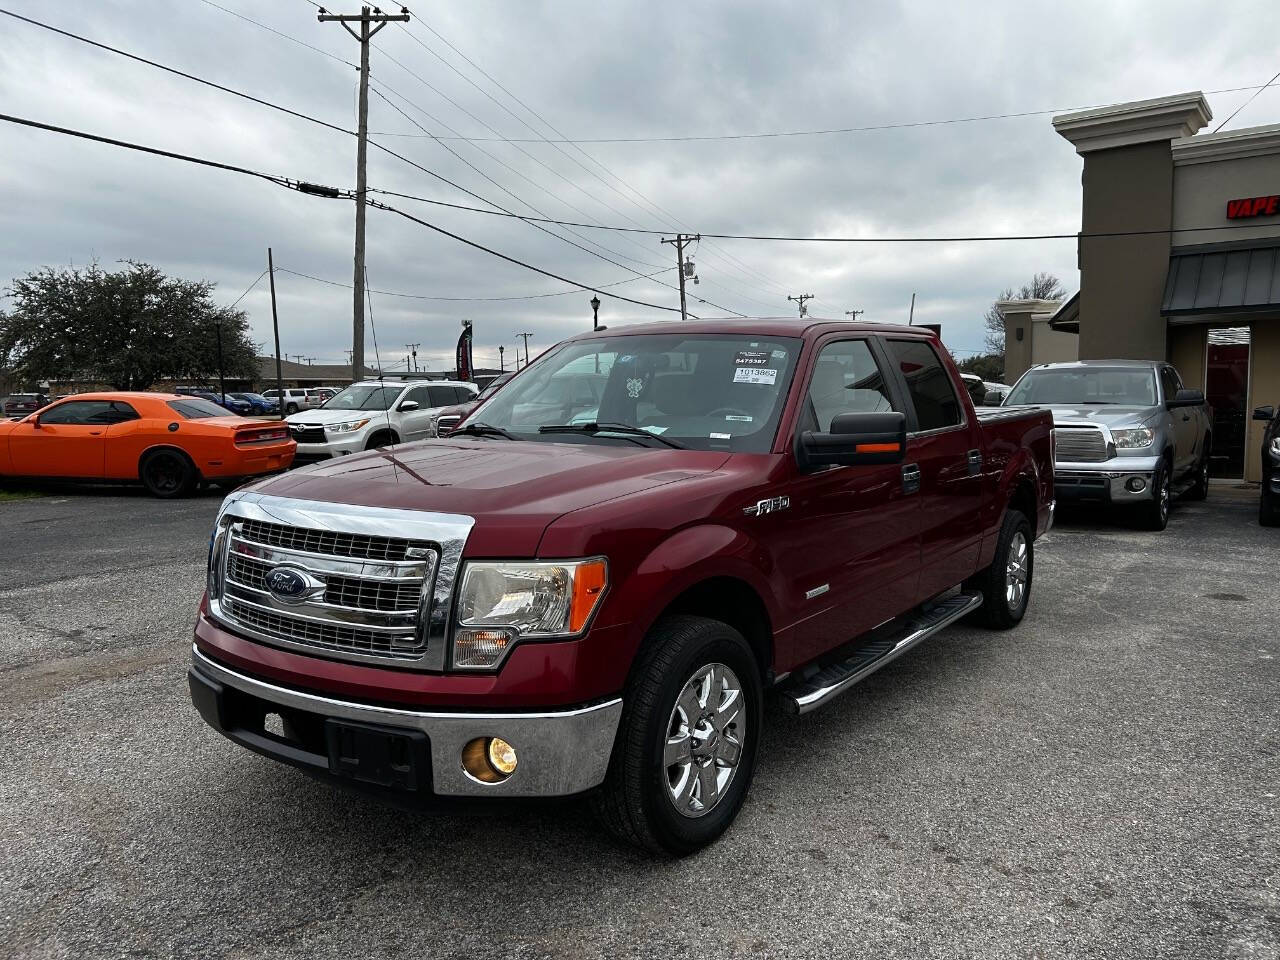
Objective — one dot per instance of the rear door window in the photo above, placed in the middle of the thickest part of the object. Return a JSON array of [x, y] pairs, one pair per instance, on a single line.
[[932, 393], [441, 396]]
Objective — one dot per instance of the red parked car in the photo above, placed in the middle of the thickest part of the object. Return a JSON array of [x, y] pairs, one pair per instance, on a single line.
[[590, 585]]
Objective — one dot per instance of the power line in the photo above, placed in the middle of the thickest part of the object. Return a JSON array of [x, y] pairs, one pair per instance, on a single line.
[[423, 296], [247, 291], [278, 33], [867, 128], [1247, 102]]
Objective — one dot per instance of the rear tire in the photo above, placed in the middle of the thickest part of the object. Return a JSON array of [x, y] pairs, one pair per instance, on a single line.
[[669, 791], [1154, 515], [291, 408], [1006, 584], [168, 474]]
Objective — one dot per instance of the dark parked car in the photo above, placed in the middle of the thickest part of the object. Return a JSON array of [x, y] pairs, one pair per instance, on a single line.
[[258, 403], [449, 418], [20, 404], [227, 401], [1269, 506]]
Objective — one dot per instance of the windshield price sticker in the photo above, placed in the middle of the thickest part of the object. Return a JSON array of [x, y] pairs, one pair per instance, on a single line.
[[736, 418], [767, 376], [751, 358]]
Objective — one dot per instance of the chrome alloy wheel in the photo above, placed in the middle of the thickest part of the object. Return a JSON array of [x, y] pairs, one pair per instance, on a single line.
[[1016, 571], [704, 739], [1163, 495]]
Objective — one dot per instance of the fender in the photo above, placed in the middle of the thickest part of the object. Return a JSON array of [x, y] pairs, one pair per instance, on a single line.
[[1021, 466], [683, 560]]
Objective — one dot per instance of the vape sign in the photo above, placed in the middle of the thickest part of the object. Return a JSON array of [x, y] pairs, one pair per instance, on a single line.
[[1253, 207]]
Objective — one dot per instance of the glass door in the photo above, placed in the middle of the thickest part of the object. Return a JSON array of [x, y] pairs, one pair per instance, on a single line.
[[1227, 390]]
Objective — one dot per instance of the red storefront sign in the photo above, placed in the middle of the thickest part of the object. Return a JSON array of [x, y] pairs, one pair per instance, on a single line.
[[1253, 207]]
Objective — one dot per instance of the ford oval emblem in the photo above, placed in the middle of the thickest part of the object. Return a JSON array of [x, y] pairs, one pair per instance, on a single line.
[[287, 584]]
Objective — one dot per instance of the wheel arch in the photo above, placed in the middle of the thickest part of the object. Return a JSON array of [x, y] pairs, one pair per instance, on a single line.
[[170, 448]]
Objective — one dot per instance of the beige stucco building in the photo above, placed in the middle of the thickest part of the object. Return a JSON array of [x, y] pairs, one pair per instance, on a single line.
[[1179, 258]]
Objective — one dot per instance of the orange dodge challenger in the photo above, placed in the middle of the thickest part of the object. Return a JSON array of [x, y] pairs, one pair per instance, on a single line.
[[169, 443]]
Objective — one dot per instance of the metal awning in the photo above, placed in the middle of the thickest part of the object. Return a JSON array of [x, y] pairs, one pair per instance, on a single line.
[[1223, 280]]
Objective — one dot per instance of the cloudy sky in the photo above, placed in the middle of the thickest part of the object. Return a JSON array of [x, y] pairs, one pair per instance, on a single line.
[[592, 70]]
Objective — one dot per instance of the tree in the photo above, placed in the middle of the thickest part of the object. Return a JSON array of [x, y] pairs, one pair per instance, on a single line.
[[129, 328], [989, 366], [1043, 286]]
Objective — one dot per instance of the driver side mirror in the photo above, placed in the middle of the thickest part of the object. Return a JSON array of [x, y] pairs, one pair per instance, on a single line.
[[856, 439], [1264, 413], [1186, 398], [407, 406], [993, 398]]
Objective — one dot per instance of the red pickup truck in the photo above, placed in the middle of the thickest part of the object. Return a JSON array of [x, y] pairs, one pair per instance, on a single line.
[[593, 583]]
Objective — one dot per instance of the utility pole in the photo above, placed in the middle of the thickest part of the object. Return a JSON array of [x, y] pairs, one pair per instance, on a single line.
[[912, 315], [802, 299], [275, 326], [413, 348], [854, 314], [526, 346], [684, 267], [366, 18]]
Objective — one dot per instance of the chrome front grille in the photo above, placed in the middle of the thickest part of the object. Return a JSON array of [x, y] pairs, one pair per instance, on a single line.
[[363, 591], [446, 425], [1084, 444]]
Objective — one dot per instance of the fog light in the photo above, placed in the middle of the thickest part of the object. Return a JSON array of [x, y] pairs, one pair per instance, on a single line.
[[1135, 484], [489, 759]]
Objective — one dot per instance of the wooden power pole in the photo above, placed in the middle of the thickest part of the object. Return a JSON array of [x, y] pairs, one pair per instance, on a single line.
[[800, 301], [275, 326], [366, 18], [682, 268]]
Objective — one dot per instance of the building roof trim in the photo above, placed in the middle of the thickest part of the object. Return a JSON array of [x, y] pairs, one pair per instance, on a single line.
[[1228, 145], [1137, 122], [1066, 319]]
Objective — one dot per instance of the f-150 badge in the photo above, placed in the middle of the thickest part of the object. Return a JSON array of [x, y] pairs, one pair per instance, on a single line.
[[767, 506]]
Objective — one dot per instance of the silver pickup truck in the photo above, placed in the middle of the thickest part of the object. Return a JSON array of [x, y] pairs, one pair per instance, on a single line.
[[1127, 431]]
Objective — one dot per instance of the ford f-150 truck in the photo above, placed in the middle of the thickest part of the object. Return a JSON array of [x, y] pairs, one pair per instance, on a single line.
[[592, 590], [1128, 433]]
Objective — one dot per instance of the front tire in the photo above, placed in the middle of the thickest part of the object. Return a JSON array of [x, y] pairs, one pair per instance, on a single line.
[[685, 752], [168, 474], [1006, 584], [1154, 515]]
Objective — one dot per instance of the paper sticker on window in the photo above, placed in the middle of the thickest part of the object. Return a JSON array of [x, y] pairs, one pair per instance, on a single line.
[[751, 358], [721, 436], [779, 354], [735, 417], [755, 375]]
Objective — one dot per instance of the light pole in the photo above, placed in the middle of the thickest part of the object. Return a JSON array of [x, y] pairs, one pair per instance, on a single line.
[[595, 313], [222, 380]]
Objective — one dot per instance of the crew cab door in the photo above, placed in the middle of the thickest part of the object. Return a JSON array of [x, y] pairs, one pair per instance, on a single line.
[[945, 451], [1185, 423], [848, 542], [66, 440]]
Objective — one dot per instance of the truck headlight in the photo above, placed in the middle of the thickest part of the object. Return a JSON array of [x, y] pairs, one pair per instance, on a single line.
[[1133, 437], [503, 602], [347, 427]]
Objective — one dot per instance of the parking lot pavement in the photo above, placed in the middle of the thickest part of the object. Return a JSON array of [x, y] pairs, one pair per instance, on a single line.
[[1100, 782]]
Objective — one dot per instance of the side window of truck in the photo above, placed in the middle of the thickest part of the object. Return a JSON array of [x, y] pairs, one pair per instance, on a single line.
[[1171, 382], [845, 379], [932, 392]]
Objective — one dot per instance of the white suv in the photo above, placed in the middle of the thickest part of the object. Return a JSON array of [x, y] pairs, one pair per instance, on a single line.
[[295, 399], [375, 413]]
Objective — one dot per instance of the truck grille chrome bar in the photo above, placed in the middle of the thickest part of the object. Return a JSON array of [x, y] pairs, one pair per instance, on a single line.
[[376, 585], [1080, 444]]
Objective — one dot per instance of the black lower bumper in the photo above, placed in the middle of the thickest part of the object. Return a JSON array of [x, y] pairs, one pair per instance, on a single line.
[[387, 761]]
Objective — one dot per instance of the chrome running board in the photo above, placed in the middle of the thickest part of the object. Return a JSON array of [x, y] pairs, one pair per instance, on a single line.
[[811, 692]]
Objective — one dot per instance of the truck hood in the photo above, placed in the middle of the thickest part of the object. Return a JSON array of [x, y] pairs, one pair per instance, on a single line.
[[513, 489], [1112, 415]]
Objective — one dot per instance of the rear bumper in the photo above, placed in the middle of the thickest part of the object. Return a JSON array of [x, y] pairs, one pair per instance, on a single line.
[[1109, 482], [561, 753]]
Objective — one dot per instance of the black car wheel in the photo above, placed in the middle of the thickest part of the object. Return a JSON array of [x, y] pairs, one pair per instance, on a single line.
[[167, 474], [686, 744], [1154, 515], [1006, 584]]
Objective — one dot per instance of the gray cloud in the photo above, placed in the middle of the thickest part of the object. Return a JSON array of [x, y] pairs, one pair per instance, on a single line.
[[596, 70]]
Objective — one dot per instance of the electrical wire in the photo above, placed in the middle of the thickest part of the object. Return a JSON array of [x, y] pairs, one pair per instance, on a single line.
[[247, 291], [1247, 102], [423, 296], [278, 33]]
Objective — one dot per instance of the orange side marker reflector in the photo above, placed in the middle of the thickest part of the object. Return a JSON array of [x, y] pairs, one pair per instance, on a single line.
[[877, 448]]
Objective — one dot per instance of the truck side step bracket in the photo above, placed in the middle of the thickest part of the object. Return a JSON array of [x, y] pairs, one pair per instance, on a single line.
[[828, 683]]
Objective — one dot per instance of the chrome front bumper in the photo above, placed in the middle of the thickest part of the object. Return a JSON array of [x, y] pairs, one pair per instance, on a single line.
[[560, 753], [1108, 480]]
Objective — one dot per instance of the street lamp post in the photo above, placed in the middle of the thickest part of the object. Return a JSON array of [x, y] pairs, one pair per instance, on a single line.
[[222, 380], [595, 313]]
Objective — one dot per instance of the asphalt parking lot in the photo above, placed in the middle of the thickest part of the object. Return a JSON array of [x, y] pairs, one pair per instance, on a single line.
[[1100, 782]]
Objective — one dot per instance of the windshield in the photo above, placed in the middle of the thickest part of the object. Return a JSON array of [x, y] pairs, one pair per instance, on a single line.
[[194, 408], [706, 392], [1086, 385], [363, 396]]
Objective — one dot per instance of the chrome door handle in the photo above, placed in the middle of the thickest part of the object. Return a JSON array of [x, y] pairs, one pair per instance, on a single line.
[[911, 478], [975, 462]]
